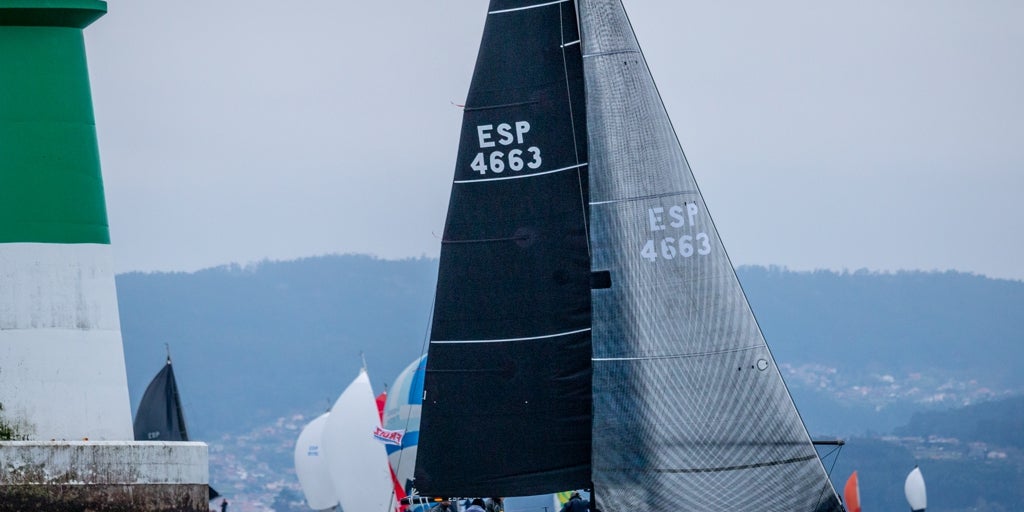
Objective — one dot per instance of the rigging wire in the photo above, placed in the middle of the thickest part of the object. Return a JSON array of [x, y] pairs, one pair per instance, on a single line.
[[572, 121]]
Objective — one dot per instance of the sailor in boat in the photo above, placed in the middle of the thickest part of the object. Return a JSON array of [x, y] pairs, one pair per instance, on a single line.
[[444, 506], [495, 505], [576, 503], [477, 505]]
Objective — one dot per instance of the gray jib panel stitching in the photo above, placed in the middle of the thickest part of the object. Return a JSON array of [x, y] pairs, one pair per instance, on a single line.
[[690, 411]]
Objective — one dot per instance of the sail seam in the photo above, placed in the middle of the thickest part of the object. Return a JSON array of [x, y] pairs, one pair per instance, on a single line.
[[521, 175], [517, 238], [504, 105], [727, 468], [500, 11], [640, 198], [678, 356], [610, 52], [528, 338]]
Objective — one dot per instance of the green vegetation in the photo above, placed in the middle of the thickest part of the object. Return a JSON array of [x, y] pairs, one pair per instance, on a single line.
[[8, 432]]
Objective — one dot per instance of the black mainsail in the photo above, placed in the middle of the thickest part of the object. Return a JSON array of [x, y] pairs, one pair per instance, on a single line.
[[622, 325], [160, 417], [507, 405]]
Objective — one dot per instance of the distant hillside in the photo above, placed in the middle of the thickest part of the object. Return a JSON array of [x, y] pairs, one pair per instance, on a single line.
[[971, 458], [252, 344], [999, 423], [861, 351], [902, 322]]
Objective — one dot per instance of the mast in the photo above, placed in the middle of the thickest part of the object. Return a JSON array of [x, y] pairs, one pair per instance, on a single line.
[[177, 396], [506, 409]]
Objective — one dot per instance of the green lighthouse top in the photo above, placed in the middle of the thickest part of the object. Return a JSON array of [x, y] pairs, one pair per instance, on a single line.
[[51, 13], [51, 188]]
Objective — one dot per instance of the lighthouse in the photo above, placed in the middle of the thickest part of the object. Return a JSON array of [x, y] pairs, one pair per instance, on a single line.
[[66, 437], [62, 373]]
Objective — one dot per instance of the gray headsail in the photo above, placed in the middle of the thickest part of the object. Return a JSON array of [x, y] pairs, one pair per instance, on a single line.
[[506, 408], [690, 411]]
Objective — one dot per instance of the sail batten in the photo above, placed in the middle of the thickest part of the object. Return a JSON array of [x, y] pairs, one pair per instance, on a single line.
[[531, 175], [525, 7], [506, 340]]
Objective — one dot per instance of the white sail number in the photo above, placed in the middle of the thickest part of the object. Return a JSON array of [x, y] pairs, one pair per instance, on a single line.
[[505, 134], [670, 247]]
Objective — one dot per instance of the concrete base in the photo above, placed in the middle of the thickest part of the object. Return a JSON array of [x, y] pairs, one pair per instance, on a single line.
[[60, 476]]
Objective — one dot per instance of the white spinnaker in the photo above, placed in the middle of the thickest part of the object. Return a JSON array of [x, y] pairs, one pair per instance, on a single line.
[[402, 412], [311, 466], [356, 461], [913, 487]]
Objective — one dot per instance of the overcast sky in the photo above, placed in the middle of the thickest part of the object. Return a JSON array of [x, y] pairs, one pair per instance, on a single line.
[[876, 134]]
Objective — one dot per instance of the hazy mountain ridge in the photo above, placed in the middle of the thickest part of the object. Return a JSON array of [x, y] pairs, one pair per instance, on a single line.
[[999, 423], [251, 344], [261, 349], [860, 350]]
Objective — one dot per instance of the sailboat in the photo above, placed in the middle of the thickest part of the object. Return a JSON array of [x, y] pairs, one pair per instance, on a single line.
[[311, 467], [851, 493], [913, 488], [357, 462], [589, 330], [389, 438], [402, 414], [160, 416]]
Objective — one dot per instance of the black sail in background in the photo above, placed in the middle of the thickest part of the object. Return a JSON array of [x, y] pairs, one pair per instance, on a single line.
[[506, 409], [690, 410], [159, 417]]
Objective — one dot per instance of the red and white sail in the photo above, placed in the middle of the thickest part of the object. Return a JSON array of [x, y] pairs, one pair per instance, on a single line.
[[851, 493]]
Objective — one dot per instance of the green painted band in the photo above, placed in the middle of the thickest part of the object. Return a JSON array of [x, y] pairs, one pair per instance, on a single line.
[[51, 189], [51, 13]]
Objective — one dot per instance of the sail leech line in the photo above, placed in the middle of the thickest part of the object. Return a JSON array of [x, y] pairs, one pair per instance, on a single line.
[[678, 356], [572, 122]]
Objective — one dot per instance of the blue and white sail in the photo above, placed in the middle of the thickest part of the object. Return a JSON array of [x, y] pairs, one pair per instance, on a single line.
[[402, 414]]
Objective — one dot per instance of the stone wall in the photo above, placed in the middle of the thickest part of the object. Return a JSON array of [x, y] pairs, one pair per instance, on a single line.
[[103, 475]]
